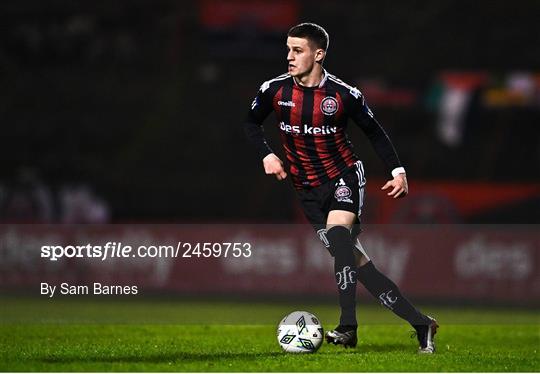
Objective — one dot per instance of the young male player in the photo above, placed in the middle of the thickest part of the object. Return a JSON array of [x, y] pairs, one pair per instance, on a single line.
[[312, 107]]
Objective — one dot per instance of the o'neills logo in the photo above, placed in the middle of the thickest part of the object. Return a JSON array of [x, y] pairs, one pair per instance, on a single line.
[[308, 130], [285, 103]]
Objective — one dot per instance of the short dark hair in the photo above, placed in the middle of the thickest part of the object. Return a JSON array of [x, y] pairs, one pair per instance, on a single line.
[[312, 32]]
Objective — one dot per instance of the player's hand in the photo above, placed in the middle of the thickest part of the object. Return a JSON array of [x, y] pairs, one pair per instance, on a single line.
[[398, 185], [273, 165]]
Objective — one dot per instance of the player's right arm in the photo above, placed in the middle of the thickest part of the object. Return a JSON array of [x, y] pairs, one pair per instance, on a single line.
[[261, 107], [273, 165]]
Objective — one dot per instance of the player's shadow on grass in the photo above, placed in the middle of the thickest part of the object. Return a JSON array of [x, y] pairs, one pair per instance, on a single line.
[[371, 348], [161, 358], [209, 357], [385, 348]]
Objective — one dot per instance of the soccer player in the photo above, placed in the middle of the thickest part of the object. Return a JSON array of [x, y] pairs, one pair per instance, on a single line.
[[312, 107]]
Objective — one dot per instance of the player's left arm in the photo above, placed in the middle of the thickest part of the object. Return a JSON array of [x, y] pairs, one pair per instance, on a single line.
[[364, 118], [399, 186]]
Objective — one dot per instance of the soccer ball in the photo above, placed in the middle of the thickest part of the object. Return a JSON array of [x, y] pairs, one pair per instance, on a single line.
[[300, 332]]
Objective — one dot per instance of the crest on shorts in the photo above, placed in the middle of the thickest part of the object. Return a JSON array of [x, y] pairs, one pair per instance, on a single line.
[[343, 193], [329, 105]]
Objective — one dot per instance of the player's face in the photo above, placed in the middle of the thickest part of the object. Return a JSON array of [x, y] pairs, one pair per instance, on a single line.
[[301, 56]]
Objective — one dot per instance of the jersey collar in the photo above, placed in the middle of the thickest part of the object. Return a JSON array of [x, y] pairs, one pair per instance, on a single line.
[[325, 76], [321, 84]]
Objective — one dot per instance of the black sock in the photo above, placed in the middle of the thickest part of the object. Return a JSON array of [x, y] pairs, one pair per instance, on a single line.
[[340, 241], [389, 295]]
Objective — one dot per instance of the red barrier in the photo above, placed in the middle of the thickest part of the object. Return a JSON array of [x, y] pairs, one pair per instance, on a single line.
[[487, 263]]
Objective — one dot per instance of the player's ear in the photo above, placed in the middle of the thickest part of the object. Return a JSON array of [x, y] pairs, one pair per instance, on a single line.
[[319, 55]]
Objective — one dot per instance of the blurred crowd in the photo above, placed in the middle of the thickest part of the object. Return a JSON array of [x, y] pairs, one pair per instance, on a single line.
[[144, 101], [28, 199]]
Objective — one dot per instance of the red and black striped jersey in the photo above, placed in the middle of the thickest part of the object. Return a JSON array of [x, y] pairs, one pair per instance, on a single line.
[[312, 123]]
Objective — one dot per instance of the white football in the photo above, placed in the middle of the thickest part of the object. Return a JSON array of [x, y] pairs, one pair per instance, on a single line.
[[300, 332]]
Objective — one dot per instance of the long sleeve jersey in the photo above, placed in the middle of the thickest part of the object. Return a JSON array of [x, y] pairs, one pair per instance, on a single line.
[[312, 123]]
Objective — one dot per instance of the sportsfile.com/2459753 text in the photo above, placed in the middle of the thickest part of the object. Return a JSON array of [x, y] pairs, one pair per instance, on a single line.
[[118, 250]]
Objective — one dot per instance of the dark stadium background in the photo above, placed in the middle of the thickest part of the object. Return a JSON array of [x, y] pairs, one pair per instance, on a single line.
[[131, 112], [122, 121], [141, 103]]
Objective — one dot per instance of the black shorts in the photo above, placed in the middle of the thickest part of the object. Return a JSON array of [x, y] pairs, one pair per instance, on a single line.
[[345, 192]]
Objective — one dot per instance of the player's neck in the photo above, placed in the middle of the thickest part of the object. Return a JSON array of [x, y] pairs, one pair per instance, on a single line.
[[313, 79]]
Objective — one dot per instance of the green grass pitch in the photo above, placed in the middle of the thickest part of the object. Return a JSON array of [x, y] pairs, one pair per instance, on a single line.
[[158, 335]]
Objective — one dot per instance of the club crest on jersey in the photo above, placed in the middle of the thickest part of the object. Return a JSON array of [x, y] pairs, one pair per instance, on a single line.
[[343, 194], [329, 105]]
